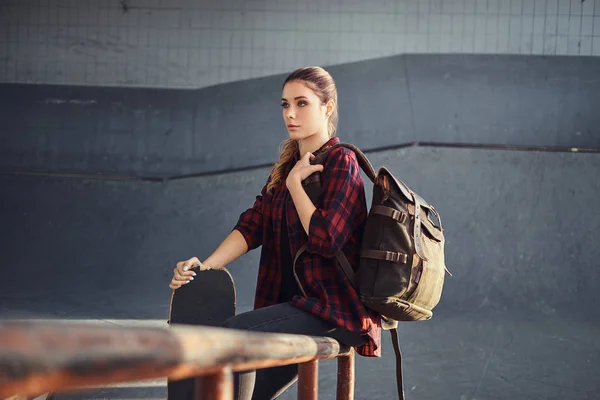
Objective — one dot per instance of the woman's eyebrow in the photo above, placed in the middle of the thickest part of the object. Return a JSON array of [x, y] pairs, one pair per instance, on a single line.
[[296, 98]]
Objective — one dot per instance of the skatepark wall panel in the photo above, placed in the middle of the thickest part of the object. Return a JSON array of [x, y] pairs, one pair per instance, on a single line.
[[451, 99]]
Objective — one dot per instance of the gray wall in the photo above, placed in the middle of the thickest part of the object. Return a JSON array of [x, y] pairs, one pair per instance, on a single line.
[[161, 133], [190, 44]]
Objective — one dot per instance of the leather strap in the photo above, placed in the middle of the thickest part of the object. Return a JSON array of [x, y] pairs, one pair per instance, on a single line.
[[437, 216], [385, 255], [363, 161], [399, 379], [343, 261], [417, 228], [389, 212], [298, 254]]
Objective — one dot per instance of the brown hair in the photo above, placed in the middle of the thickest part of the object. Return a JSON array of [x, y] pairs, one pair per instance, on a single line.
[[320, 82]]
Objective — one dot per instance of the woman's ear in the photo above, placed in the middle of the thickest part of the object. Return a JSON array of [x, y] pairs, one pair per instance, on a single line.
[[329, 108]]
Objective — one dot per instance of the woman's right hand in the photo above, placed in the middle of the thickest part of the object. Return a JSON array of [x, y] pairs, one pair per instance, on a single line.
[[183, 274]]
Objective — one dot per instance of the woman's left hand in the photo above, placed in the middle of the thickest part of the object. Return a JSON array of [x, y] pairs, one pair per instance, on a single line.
[[302, 170]]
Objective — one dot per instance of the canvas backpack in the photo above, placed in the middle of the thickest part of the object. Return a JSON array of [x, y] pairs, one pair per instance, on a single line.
[[402, 267]]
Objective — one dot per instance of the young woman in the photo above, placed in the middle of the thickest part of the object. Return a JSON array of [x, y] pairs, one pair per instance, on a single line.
[[315, 298]]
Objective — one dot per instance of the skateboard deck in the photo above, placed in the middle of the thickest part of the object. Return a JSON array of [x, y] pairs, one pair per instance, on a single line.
[[207, 300]]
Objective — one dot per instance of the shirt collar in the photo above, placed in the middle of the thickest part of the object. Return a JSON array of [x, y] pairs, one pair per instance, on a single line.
[[334, 140]]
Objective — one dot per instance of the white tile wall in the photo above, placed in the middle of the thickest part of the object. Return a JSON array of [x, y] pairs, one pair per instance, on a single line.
[[197, 43]]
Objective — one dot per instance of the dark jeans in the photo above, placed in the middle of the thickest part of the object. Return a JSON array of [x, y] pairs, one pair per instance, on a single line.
[[269, 383]]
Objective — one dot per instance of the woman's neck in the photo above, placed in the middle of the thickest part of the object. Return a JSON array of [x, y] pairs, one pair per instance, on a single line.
[[312, 143]]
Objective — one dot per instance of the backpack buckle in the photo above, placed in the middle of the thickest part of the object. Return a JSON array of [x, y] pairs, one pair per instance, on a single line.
[[399, 216], [396, 257], [385, 255]]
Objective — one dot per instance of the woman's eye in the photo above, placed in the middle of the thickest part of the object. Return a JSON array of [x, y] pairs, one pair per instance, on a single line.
[[301, 103], [284, 105]]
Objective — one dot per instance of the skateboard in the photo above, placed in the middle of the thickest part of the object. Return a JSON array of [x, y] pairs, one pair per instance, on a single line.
[[207, 300]]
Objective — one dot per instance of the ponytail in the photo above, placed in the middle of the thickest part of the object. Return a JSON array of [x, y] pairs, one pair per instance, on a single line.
[[289, 151]]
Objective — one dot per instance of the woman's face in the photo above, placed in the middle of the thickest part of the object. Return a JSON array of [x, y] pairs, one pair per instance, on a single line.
[[303, 113]]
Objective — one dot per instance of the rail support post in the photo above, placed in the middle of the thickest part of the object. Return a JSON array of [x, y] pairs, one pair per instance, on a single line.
[[345, 378], [308, 380], [217, 386]]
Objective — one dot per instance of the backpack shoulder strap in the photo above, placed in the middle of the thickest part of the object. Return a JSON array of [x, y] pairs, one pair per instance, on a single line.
[[345, 264], [363, 161]]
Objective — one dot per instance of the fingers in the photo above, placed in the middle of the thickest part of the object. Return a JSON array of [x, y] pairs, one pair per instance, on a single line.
[[183, 274], [186, 266], [177, 283], [305, 168], [181, 278], [317, 168], [306, 159]]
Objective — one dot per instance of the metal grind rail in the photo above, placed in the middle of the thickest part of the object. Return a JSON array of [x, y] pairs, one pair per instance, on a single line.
[[40, 357]]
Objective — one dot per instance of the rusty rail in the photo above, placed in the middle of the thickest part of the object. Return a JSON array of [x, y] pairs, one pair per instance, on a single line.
[[40, 357]]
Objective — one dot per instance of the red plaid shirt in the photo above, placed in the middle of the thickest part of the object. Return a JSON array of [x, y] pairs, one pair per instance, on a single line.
[[337, 224]]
